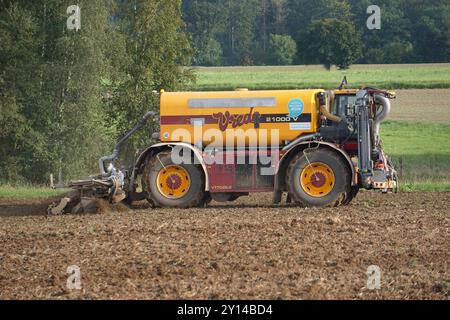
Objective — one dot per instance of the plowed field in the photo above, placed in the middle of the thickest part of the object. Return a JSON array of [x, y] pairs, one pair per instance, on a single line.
[[247, 249]]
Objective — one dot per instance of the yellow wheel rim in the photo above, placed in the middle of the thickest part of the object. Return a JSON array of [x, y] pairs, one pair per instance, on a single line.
[[317, 179], [173, 182]]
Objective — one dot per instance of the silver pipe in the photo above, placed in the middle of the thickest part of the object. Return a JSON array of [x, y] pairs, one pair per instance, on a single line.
[[381, 115]]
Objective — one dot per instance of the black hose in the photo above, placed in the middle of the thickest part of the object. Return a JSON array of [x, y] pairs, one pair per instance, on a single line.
[[119, 144]]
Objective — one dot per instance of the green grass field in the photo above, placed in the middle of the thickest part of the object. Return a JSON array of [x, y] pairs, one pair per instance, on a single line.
[[14, 192], [419, 76], [421, 154]]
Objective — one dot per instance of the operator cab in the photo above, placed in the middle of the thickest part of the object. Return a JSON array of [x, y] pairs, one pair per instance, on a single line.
[[340, 126], [344, 104]]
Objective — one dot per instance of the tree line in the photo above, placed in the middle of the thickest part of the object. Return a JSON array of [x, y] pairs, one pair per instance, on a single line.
[[67, 95], [265, 32]]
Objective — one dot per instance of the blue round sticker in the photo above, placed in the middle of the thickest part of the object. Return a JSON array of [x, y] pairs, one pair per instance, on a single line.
[[296, 107]]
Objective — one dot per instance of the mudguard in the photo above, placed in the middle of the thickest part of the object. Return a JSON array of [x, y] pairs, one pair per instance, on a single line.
[[158, 146]]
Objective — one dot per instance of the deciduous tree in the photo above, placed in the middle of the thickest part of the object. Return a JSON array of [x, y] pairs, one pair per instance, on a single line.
[[330, 42]]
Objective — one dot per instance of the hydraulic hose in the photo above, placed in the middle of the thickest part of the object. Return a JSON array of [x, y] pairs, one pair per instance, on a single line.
[[119, 144], [381, 115]]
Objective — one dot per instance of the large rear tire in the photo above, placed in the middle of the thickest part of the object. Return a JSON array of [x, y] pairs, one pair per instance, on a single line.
[[318, 178], [173, 185]]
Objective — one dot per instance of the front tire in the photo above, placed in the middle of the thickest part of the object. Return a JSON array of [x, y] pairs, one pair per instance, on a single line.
[[171, 185], [318, 178]]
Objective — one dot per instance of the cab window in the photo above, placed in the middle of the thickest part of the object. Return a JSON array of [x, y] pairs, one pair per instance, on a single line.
[[343, 104]]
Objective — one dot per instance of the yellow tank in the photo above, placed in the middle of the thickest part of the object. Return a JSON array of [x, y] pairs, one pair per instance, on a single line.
[[199, 117]]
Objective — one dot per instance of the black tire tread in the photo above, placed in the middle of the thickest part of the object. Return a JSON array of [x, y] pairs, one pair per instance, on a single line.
[[198, 201], [341, 200]]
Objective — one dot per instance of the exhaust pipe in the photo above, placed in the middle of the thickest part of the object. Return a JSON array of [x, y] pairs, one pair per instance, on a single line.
[[381, 115]]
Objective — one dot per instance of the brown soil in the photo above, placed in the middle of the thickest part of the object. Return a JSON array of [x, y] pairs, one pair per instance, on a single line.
[[248, 249], [25, 207], [429, 105], [22, 208]]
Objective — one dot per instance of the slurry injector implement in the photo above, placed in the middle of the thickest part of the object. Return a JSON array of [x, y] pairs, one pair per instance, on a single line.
[[319, 147]]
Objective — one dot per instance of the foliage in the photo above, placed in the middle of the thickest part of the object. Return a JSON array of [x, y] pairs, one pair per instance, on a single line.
[[211, 55], [153, 48], [282, 49], [204, 20], [411, 30], [331, 42], [66, 95]]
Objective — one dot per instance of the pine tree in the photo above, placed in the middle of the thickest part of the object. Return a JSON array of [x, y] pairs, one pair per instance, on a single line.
[[205, 21], [241, 31]]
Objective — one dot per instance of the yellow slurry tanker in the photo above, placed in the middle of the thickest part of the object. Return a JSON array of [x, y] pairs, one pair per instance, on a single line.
[[318, 147]]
